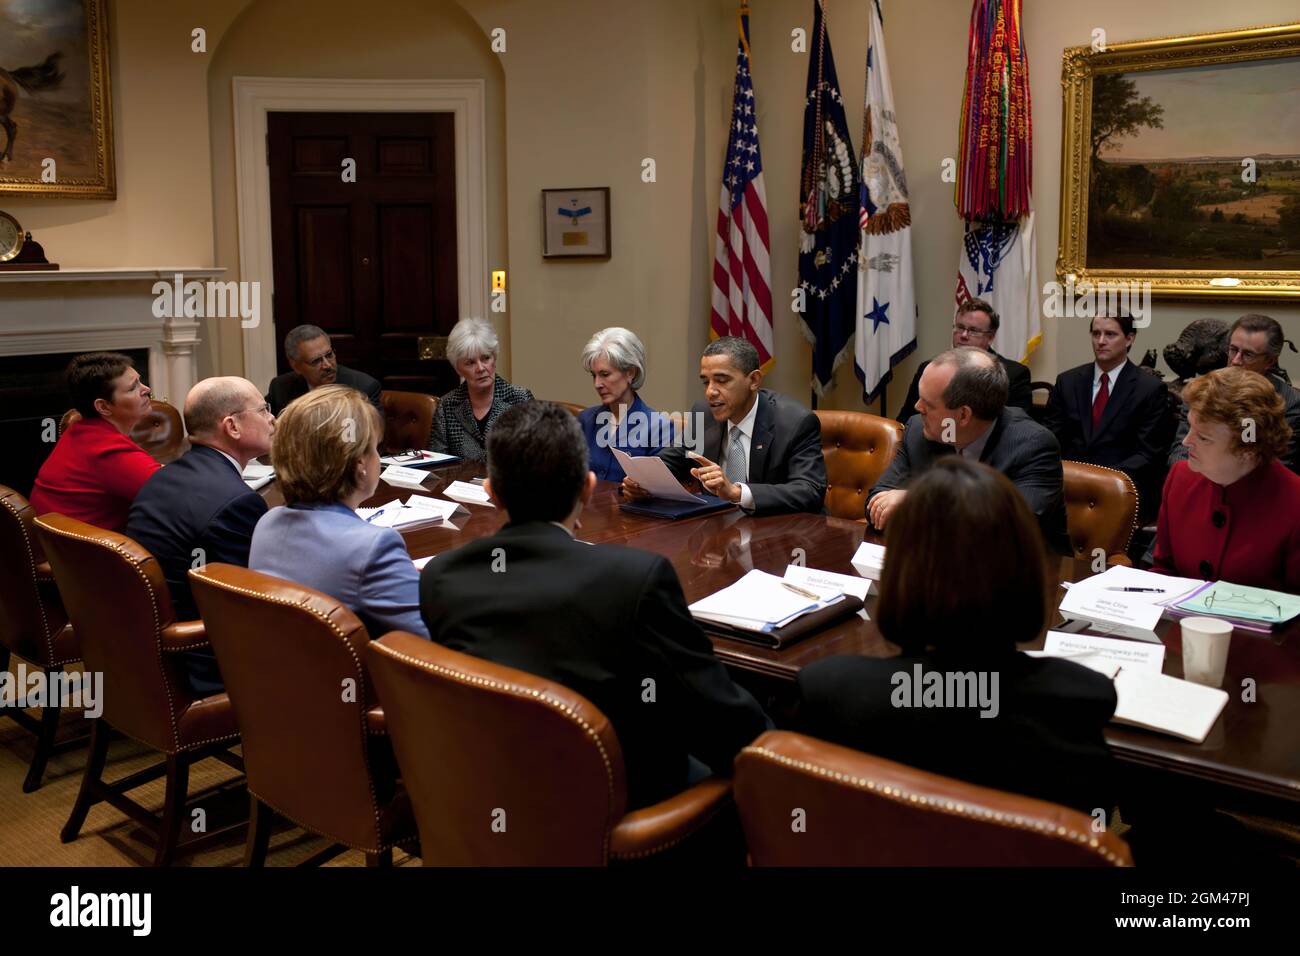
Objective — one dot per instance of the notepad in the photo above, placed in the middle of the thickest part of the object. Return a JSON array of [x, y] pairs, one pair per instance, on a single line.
[[761, 602], [258, 476], [418, 509], [1167, 704]]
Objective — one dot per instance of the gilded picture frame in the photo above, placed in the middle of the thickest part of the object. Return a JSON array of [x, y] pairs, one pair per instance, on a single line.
[[56, 101], [1150, 193]]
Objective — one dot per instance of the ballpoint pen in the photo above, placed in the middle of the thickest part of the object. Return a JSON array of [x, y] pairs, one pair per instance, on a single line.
[[798, 590], [1142, 590]]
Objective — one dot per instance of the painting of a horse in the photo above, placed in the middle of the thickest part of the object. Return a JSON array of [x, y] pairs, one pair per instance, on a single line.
[[55, 101]]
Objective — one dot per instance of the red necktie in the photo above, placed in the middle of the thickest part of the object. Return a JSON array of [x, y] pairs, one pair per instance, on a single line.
[[1099, 403]]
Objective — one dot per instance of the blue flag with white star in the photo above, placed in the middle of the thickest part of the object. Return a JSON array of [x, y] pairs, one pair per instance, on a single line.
[[828, 198]]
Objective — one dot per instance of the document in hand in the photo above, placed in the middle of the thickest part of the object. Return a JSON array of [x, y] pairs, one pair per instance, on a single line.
[[1124, 601], [470, 494], [258, 476], [762, 602], [653, 475], [1167, 704]]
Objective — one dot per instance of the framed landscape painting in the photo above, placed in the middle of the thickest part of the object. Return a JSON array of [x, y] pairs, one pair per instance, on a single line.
[[56, 117], [1181, 164]]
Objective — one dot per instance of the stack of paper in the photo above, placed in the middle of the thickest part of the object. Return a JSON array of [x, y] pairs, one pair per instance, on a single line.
[[869, 561], [763, 602], [1124, 601], [257, 476], [417, 459], [469, 493], [1244, 606], [418, 509]]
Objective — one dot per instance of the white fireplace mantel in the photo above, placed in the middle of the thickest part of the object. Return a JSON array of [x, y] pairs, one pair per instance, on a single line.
[[84, 310]]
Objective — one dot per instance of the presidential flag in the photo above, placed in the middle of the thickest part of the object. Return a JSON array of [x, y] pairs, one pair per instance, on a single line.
[[886, 321], [742, 290], [828, 197]]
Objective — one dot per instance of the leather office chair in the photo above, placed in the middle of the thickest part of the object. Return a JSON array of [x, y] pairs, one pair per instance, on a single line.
[[161, 433], [805, 802], [1101, 508], [1038, 409], [313, 734], [408, 420], [119, 604], [858, 447], [33, 624], [571, 407], [505, 768]]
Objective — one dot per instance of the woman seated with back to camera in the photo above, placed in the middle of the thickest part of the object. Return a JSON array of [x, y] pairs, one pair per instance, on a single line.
[[1231, 511], [965, 581], [326, 456], [615, 358], [466, 413]]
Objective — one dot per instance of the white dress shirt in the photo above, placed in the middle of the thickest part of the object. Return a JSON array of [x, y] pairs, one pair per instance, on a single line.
[[746, 428], [1097, 373]]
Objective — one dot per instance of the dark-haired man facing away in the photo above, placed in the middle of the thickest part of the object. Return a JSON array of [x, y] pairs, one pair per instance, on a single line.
[[598, 619]]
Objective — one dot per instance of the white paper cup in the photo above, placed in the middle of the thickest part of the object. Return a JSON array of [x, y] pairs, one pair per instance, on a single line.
[[1205, 649]]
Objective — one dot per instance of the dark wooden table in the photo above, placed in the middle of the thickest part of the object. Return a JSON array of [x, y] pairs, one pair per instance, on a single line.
[[1253, 749]]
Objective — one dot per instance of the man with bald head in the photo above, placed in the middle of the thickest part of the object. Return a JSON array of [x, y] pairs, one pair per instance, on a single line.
[[198, 510], [962, 410]]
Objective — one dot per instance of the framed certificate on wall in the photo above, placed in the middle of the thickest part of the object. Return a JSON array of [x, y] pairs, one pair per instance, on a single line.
[[575, 223]]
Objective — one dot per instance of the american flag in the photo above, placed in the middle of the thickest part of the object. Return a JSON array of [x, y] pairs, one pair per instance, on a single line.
[[742, 292]]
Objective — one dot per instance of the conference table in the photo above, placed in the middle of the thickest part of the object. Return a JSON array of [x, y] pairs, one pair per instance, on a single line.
[[1251, 757]]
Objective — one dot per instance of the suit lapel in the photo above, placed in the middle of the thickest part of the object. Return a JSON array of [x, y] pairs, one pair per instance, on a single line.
[[712, 438], [998, 426], [1124, 383], [761, 441], [1084, 391]]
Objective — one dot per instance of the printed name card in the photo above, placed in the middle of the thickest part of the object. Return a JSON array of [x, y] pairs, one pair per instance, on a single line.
[[846, 583], [404, 477], [1112, 612], [1127, 654]]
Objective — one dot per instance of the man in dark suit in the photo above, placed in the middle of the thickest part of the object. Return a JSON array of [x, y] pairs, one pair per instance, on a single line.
[[771, 456], [975, 326], [1254, 343], [962, 410], [1111, 413], [606, 621], [312, 359], [198, 510]]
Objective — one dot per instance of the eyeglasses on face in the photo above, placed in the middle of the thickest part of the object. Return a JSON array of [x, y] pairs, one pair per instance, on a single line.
[[968, 330], [1244, 354], [263, 409], [321, 359]]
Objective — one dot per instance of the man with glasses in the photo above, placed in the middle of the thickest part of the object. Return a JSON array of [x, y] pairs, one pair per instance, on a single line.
[[975, 326], [198, 509], [1254, 343], [314, 364]]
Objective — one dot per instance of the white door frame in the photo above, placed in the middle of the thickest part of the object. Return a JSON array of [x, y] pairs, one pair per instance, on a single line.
[[256, 96]]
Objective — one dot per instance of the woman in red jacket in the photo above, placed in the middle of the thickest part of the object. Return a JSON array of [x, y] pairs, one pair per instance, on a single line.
[[95, 470], [1231, 511]]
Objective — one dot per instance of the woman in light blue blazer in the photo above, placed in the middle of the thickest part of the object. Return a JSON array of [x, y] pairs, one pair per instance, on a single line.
[[326, 458]]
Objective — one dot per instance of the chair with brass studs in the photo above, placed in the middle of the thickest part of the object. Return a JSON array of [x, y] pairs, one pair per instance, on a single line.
[[860, 810], [408, 420], [161, 432], [858, 447], [1101, 509]]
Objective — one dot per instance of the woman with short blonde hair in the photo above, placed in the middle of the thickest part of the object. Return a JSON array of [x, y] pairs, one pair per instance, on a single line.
[[466, 413], [1231, 511], [326, 457], [615, 359]]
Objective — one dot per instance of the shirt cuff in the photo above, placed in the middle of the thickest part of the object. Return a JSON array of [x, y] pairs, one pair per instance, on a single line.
[[746, 497]]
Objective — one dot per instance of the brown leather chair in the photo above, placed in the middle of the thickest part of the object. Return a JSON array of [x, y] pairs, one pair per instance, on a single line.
[[572, 408], [505, 768], [408, 420], [161, 433], [33, 624], [118, 602], [805, 802], [315, 748], [858, 447], [1101, 508]]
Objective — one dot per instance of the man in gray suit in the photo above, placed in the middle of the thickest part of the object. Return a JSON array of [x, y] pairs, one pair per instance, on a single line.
[[770, 460], [962, 410]]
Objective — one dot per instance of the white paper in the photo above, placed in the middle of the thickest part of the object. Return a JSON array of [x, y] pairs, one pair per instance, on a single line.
[[417, 459], [421, 562], [759, 600], [1166, 589], [650, 472], [1167, 704], [869, 560], [403, 477], [814, 577], [1113, 612], [1137, 655], [418, 509], [258, 476], [468, 493]]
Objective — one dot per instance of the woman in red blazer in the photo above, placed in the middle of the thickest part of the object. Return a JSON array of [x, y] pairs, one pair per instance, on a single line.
[[1231, 511], [95, 470]]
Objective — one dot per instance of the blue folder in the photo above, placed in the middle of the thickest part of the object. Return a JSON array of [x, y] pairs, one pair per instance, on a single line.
[[668, 508]]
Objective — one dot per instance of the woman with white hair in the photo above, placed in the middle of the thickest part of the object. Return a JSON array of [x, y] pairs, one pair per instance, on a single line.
[[466, 413], [615, 358]]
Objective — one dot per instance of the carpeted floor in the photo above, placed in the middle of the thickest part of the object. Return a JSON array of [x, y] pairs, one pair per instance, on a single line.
[[30, 822]]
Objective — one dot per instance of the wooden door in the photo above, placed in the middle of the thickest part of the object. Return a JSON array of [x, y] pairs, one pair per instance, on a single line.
[[372, 262]]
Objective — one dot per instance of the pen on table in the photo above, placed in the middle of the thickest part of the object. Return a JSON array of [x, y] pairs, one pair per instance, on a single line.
[[1142, 590], [796, 590]]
